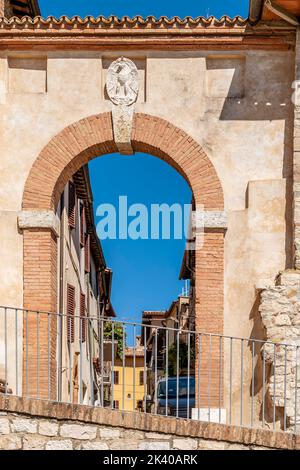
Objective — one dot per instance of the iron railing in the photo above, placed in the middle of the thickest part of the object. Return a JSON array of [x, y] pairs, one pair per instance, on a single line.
[[186, 374]]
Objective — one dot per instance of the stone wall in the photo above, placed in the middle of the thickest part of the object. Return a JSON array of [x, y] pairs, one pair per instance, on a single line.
[[39, 425], [280, 313]]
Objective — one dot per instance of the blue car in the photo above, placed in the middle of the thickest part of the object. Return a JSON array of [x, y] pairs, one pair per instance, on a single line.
[[171, 400]]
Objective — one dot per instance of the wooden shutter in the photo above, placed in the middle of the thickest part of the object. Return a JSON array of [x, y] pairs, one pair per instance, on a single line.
[[141, 377], [87, 254], [71, 313], [116, 404], [116, 377], [72, 205], [82, 318], [82, 223]]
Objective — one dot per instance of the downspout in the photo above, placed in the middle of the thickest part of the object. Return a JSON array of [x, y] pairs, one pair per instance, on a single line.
[[61, 293], [90, 333], [255, 11]]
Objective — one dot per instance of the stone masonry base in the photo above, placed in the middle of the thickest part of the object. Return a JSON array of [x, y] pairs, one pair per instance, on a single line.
[[40, 425]]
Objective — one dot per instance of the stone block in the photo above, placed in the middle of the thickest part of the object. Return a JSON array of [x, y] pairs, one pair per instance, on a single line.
[[154, 445], [33, 442], [154, 435], [12, 442], [123, 444], [185, 444], [4, 426], [47, 428], [27, 426], [96, 445], [283, 320], [211, 445], [78, 431], [237, 447], [59, 445], [132, 434], [109, 433]]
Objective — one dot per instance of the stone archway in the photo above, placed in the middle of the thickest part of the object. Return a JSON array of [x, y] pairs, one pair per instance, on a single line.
[[62, 157]]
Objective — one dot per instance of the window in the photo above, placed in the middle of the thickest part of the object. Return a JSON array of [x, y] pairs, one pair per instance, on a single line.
[[129, 396], [141, 377], [87, 256], [83, 318], [116, 405], [72, 205], [70, 313], [116, 377], [82, 223]]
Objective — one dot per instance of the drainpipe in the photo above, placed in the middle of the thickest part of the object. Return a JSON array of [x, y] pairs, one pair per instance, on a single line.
[[255, 11], [61, 294], [90, 333]]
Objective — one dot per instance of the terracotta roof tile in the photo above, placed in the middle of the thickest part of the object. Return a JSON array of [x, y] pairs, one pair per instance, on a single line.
[[126, 22], [154, 313]]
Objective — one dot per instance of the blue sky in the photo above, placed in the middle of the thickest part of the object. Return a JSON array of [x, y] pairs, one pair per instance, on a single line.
[[144, 7], [145, 272]]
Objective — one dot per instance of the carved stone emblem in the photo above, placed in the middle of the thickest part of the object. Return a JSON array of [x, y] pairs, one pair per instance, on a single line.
[[122, 84]]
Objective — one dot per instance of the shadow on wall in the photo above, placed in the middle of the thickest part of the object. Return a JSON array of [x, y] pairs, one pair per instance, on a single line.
[[264, 408], [252, 88]]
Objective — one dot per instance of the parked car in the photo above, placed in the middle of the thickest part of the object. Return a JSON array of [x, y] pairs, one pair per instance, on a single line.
[[172, 400]]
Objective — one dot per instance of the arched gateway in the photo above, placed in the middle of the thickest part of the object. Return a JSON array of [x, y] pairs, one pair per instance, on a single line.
[[194, 93], [75, 146]]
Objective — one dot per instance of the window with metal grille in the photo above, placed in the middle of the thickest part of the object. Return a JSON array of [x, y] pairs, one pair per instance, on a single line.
[[82, 223], [116, 377], [82, 318], [141, 377], [87, 254], [72, 205], [71, 313]]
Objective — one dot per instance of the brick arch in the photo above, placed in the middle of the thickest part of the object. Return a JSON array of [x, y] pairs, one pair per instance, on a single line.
[[88, 138], [76, 145]]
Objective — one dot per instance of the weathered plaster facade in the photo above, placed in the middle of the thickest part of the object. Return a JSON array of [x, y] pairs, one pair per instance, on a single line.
[[217, 106]]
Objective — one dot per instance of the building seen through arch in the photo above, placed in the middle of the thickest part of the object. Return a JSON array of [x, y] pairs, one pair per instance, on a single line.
[[217, 100]]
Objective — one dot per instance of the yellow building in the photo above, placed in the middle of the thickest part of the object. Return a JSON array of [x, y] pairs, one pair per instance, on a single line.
[[128, 389]]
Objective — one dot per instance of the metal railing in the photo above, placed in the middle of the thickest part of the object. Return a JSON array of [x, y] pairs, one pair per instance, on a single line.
[[186, 374]]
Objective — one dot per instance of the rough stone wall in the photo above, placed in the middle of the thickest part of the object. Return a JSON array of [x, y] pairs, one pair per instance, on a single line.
[[280, 313], [21, 433], [36, 425]]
